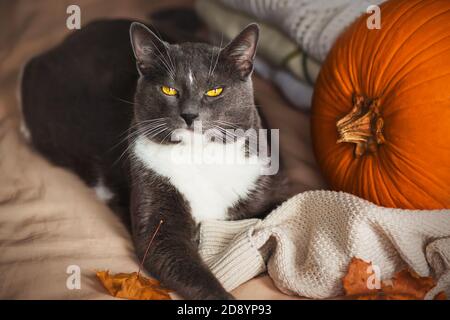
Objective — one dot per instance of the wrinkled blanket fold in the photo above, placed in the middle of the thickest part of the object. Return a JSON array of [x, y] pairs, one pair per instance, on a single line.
[[307, 244]]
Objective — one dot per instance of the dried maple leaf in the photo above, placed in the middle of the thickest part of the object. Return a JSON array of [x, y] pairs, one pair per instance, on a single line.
[[411, 283], [132, 286], [355, 281], [405, 285]]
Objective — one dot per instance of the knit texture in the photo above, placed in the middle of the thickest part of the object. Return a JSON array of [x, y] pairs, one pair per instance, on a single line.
[[313, 24], [307, 243]]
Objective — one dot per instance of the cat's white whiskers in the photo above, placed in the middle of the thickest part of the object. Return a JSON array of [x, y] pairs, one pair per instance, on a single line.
[[218, 54], [151, 131], [129, 133], [168, 55], [124, 152], [190, 77], [157, 123], [170, 59], [211, 63], [169, 71], [229, 136], [232, 125], [227, 131], [138, 124], [161, 58], [126, 101], [135, 135], [159, 132], [169, 134]]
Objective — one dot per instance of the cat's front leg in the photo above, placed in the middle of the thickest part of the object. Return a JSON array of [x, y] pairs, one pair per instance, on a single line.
[[172, 257]]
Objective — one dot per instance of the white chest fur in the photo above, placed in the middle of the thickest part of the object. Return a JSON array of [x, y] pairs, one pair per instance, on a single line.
[[212, 177]]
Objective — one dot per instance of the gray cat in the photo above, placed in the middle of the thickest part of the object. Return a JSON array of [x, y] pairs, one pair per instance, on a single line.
[[81, 97]]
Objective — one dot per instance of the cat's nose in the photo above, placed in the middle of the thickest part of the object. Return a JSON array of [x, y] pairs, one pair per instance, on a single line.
[[189, 117]]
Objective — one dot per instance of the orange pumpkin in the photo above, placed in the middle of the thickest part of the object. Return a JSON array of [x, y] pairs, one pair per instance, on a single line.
[[381, 108]]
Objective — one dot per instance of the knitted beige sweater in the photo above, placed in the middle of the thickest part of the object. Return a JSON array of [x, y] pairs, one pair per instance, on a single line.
[[307, 243]]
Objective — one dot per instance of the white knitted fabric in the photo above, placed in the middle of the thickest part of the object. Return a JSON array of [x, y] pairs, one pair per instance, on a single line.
[[307, 243], [313, 24]]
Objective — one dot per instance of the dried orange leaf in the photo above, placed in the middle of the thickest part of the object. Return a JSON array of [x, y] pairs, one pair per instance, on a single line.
[[405, 285], [355, 281], [132, 286], [410, 283]]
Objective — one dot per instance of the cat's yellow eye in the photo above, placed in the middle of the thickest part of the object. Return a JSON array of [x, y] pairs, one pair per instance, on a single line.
[[214, 92], [169, 91]]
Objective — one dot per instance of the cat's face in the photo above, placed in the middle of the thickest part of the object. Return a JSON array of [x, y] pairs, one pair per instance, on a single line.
[[191, 83]]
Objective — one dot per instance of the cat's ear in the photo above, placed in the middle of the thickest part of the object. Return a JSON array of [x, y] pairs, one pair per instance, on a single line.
[[242, 50], [146, 45]]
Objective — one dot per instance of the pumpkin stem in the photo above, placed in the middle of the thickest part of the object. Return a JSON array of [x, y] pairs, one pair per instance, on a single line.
[[362, 126]]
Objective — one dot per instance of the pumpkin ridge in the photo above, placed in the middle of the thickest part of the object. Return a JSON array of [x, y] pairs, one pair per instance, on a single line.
[[346, 181], [387, 32], [385, 179], [372, 182], [381, 178], [386, 65], [420, 26], [417, 168], [406, 178], [390, 89], [389, 171], [421, 83], [338, 75], [401, 45], [414, 167]]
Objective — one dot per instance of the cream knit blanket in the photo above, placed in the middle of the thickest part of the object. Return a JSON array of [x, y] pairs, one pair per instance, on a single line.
[[307, 243]]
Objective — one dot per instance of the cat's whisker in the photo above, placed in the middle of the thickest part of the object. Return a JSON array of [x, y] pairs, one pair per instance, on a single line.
[[142, 129], [218, 54], [211, 63], [134, 136], [155, 119], [167, 52], [124, 152], [167, 68], [138, 124], [225, 123], [226, 131], [126, 101], [220, 136], [229, 136], [170, 59], [169, 134], [152, 132], [164, 61], [157, 133], [139, 131]]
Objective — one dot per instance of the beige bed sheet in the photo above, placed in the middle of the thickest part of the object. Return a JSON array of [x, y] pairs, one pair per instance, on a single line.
[[49, 220]]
